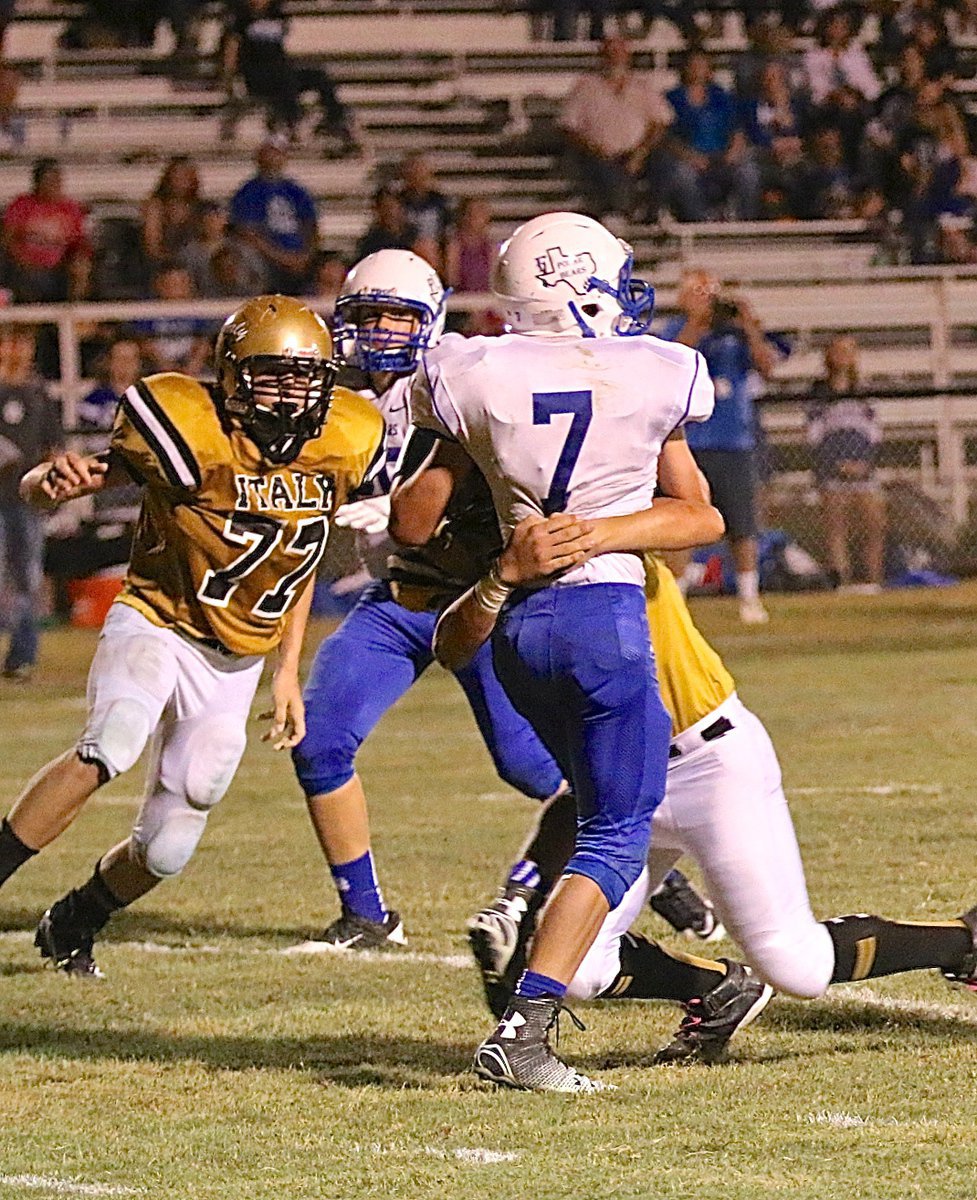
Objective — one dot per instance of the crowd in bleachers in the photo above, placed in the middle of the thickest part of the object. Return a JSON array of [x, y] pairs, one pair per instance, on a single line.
[[837, 130], [810, 121]]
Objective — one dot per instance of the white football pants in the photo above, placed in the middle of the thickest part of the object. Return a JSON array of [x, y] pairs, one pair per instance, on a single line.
[[725, 807], [149, 684]]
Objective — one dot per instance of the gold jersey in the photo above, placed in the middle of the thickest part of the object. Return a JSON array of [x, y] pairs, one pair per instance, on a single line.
[[691, 675], [225, 541]]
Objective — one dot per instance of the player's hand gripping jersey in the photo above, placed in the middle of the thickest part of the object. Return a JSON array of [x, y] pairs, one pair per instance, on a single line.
[[225, 540], [564, 423]]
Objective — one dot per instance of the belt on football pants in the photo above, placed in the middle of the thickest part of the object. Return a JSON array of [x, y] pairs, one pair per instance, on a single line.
[[692, 739], [419, 597]]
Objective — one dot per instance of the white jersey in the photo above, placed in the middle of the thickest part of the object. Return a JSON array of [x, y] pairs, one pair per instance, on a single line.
[[558, 422], [375, 548]]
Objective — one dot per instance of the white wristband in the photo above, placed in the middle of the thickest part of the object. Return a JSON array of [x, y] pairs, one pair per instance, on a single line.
[[490, 592]]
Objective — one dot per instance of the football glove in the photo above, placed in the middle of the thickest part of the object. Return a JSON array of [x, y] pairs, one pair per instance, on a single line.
[[366, 516]]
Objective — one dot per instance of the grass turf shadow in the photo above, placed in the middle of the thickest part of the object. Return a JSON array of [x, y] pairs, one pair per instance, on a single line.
[[351, 1061]]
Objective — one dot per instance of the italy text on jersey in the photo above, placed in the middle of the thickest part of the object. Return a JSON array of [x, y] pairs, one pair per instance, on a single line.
[[225, 543]]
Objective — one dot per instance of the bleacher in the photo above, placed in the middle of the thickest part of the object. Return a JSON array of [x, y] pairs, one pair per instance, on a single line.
[[469, 84]]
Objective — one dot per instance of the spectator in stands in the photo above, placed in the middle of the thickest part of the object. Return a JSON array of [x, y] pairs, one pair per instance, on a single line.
[[566, 18], [222, 265], [776, 110], [934, 149], [171, 216], [254, 46], [390, 228], [49, 256], [940, 57], [30, 430], [328, 275], [844, 437], [838, 65], [179, 342], [893, 114], [13, 128], [277, 216], [120, 367], [471, 248], [427, 208], [713, 164], [830, 191], [739, 354], [614, 124]]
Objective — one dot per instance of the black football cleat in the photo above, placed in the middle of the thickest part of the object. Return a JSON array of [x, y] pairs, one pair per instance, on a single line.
[[677, 901], [712, 1019], [518, 1054], [350, 931], [67, 944], [499, 936], [966, 974]]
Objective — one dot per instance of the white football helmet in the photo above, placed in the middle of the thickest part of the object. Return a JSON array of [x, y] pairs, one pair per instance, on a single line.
[[388, 281], [563, 272]]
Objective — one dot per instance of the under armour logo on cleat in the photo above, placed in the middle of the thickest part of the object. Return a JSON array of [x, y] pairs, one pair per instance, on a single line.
[[508, 1027]]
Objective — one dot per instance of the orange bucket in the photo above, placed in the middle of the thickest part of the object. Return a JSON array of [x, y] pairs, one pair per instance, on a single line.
[[91, 598]]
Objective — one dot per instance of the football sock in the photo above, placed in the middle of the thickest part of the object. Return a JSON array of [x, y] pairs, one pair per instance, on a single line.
[[867, 947], [650, 973], [748, 585], [92, 904], [356, 882], [524, 873], [532, 984], [13, 852]]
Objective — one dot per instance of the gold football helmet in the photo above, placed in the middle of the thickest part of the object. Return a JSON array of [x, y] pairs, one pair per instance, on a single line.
[[275, 374]]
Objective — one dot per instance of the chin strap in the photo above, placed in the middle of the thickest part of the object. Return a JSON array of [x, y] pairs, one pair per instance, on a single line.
[[585, 329]]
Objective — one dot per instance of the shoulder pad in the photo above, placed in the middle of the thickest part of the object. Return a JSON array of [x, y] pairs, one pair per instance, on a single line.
[[176, 417]]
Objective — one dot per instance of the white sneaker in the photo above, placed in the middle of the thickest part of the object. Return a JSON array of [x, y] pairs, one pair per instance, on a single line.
[[752, 612]]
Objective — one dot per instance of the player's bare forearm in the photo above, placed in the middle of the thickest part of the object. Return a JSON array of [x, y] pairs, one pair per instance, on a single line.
[[462, 628], [427, 475], [69, 476], [539, 549], [678, 472], [668, 525], [290, 647], [287, 714]]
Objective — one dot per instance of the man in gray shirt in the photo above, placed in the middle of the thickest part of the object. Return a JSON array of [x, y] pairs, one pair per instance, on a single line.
[[30, 429]]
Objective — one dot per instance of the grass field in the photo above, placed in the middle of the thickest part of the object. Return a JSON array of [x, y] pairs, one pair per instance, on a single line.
[[210, 1064]]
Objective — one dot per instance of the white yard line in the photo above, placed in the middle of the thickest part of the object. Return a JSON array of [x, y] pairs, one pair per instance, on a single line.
[[66, 1187], [475, 1155], [303, 949], [924, 1009]]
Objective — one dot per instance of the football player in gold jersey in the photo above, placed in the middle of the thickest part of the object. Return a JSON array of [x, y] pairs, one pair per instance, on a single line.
[[240, 481]]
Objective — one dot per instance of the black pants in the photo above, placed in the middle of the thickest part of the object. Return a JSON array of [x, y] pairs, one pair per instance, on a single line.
[[281, 91]]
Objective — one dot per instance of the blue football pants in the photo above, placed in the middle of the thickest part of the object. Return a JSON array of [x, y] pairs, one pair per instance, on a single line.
[[577, 662]]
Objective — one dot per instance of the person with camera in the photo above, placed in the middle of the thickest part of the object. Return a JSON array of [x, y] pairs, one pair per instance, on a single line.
[[739, 354]]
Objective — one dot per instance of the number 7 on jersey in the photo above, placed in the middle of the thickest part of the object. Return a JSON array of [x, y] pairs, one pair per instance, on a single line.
[[547, 405]]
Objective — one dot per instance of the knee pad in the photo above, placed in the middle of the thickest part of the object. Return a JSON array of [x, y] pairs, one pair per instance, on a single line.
[[325, 758], [116, 738], [594, 975], [213, 753], [166, 845], [793, 963]]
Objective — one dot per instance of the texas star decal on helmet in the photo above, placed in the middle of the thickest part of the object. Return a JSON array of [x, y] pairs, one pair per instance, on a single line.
[[398, 284], [565, 273], [555, 267], [275, 373]]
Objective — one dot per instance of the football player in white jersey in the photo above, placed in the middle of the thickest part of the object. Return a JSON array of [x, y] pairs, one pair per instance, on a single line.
[[567, 413], [390, 308]]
